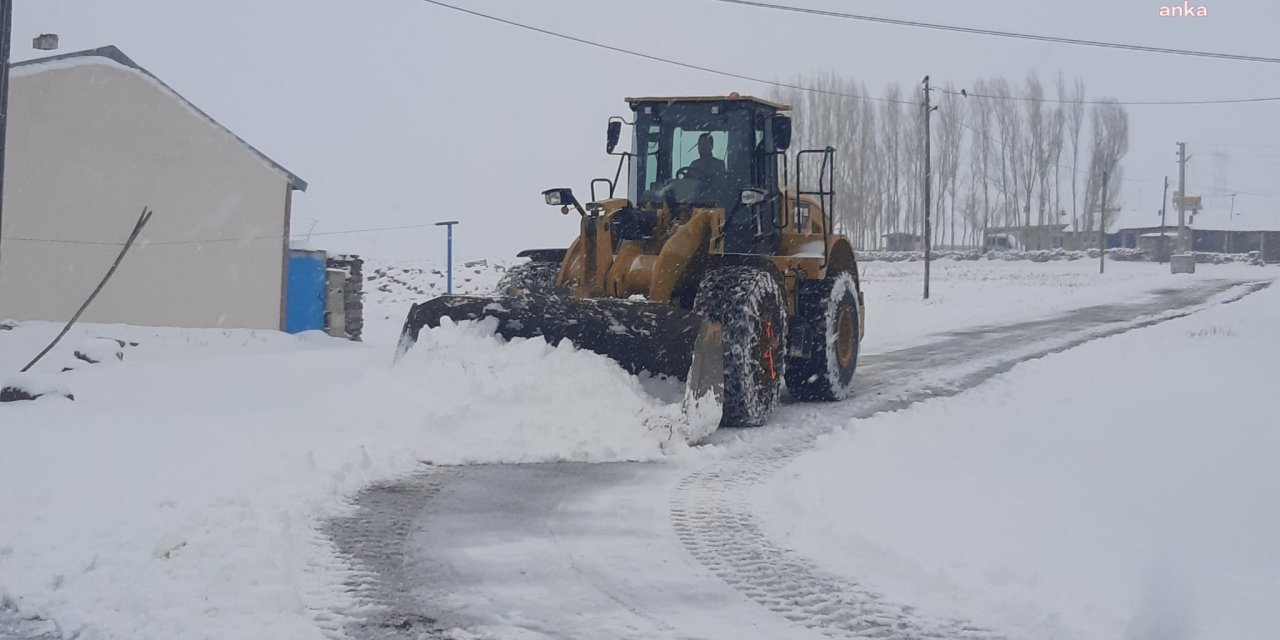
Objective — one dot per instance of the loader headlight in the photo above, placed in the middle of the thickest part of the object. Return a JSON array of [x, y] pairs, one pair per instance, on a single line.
[[558, 197]]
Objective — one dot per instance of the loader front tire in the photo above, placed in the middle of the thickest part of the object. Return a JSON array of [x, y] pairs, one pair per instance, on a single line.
[[828, 309], [529, 278], [748, 304]]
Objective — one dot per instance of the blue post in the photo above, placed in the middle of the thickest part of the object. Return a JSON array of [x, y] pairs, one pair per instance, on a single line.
[[449, 226]]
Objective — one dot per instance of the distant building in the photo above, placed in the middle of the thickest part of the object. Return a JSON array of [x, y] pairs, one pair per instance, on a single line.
[[1028, 237], [1209, 231], [92, 139], [902, 242]]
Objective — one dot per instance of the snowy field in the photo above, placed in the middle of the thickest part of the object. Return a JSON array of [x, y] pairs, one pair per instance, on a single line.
[[179, 494], [1123, 489]]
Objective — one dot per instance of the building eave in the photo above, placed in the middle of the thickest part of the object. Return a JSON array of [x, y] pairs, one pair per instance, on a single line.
[[114, 54]]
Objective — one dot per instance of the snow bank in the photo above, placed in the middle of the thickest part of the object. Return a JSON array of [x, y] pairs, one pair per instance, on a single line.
[[178, 497], [27, 386], [525, 401], [1123, 489]]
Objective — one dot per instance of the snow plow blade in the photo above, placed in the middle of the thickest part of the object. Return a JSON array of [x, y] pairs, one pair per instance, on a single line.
[[639, 336]]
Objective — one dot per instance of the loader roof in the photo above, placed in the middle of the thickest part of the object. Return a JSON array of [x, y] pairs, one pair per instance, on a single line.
[[730, 97]]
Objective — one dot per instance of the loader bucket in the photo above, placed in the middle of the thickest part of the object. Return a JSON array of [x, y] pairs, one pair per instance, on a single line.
[[638, 335]]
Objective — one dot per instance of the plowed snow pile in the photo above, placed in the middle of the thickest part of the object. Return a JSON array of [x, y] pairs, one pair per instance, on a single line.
[[525, 401]]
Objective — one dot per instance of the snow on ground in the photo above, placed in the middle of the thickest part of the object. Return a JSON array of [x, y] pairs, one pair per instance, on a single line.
[[1123, 489], [178, 494], [967, 293], [391, 288]]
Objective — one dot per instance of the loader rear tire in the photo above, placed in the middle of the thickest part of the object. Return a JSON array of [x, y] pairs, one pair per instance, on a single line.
[[529, 278], [748, 304], [829, 310]]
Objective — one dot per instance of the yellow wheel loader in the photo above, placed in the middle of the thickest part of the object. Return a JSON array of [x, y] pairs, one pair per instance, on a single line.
[[718, 268]]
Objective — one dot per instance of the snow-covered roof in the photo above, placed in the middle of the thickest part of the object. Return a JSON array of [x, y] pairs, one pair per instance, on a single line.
[[1218, 219], [1222, 219], [114, 54]]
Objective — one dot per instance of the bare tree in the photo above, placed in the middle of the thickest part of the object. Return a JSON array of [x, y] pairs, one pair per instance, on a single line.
[[980, 154], [976, 213], [1009, 127], [1075, 122], [891, 137], [950, 135], [1032, 147], [1110, 126]]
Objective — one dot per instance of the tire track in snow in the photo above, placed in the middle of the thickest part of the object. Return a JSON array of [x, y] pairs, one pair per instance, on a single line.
[[711, 509], [401, 582], [372, 540]]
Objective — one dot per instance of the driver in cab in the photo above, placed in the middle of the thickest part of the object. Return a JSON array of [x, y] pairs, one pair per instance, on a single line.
[[706, 165], [708, 170]]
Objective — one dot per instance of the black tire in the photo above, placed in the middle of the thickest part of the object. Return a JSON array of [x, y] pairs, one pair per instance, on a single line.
[[828, 309], [749, 307], [536, 278]]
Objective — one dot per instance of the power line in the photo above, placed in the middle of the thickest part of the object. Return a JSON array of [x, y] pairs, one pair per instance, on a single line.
[[715, 71], [1230, 190], [145, 244], [646, 56], [840, 94], [1004, 34], [970, 94], [1230, 144]]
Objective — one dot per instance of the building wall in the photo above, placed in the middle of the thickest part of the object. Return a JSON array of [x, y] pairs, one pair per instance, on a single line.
[[91, 142]]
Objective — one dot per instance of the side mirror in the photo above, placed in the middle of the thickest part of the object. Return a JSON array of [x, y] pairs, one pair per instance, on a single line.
[[615, 131], [781, 132]]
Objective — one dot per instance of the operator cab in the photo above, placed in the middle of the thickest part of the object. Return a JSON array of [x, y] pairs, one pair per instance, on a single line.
[[706, 152]]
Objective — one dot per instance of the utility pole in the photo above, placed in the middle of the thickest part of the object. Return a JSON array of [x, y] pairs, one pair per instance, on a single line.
[[6, 31], [1164, 200], [1102, 227], [1233, 206], [1182, 197], [928, 188], [449, 255]]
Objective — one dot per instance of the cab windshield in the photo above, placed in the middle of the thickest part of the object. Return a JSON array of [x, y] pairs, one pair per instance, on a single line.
[[692, 153]]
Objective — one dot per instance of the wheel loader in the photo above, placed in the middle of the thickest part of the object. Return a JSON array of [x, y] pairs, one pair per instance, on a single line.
[[718, 268]]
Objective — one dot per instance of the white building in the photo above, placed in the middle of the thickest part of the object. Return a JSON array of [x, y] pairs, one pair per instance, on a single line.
[[92, 139]]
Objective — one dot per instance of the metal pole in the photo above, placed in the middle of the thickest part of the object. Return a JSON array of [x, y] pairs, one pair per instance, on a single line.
[[1102, 227], [448, 224], [6, 30], [1164, 200], [928, 195], [1182, 197]]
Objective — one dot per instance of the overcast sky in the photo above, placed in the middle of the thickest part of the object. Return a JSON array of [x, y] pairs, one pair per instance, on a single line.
[[398, 112]]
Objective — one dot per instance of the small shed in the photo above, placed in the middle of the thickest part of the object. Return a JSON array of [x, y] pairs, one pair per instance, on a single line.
[[1032, 237], [898, 241]]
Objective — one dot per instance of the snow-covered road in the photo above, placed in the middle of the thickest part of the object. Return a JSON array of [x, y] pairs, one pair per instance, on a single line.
[[673, 550]]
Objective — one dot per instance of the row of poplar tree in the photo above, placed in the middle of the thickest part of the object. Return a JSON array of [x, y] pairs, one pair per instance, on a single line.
[[1003, 154]]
